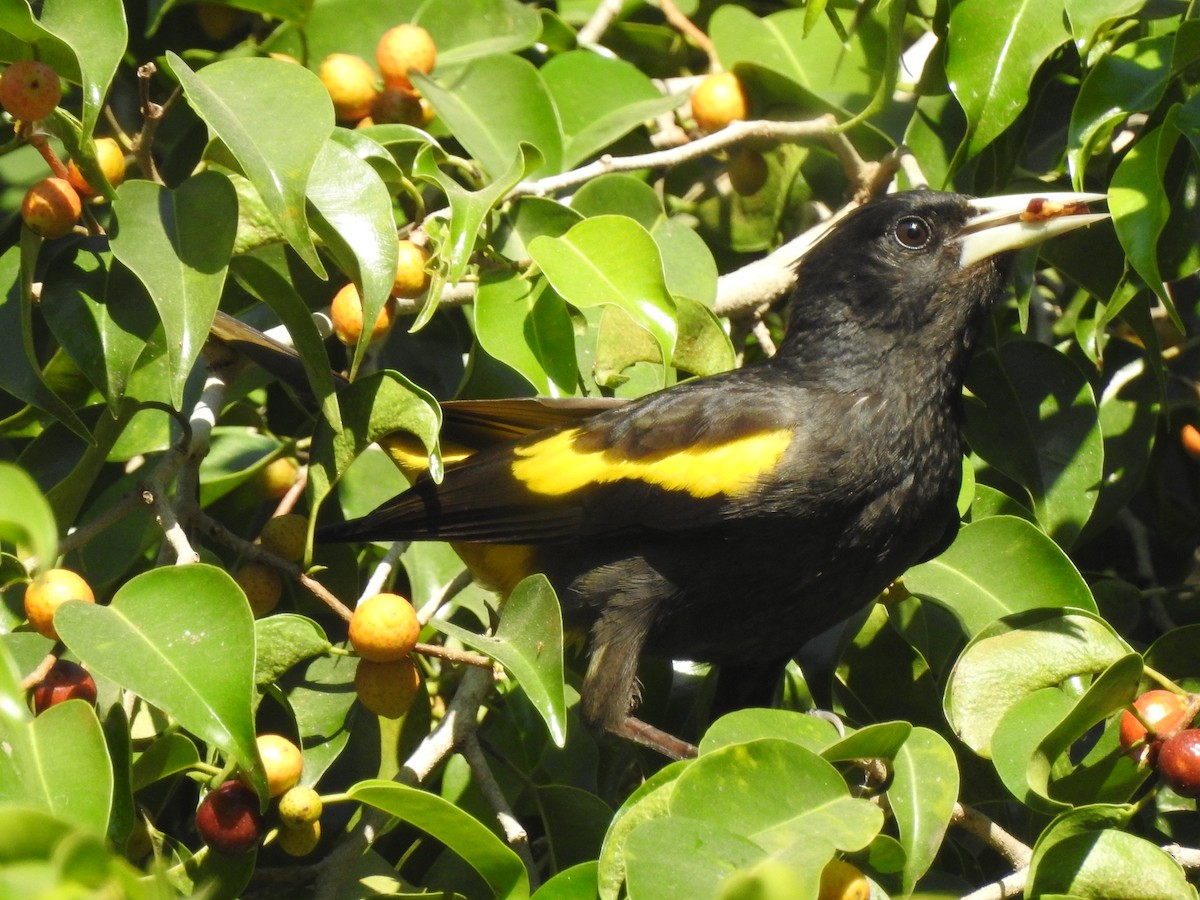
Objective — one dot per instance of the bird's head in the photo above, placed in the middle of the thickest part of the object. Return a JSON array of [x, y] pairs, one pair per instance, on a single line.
[[918, 269]]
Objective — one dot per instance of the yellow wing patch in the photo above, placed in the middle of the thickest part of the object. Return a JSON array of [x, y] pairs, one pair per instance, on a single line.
[[553, 466], [411, 458]]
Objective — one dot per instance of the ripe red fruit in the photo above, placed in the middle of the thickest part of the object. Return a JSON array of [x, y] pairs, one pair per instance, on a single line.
[[66, 680], [1164, 710], [29, 90], [1179, 762], [229, 819]]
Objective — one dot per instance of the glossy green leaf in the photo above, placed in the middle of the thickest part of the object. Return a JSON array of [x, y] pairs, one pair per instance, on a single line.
[[57, 762], [994, 49], [236, 452], [688, 263], [353, 216], [611, 260], [922, 795], [799, 796], [26, 519], [274, 117], [97, 36], [579, 882], [1087, 16], [526, 325], [1018, 655], [648, 801], [159, 637], [168, 755], [1103, 863], [178, 243], [468, 211], [879, 740], [1139, 204], [529, 644], [372, 408], [320, 694], [619, 194], [812, 732], [1033, 417], [500, 867], [278, 292], [493, 105], [600, 100], [283, 640], [19, 376], [996, 566], [1018, 734], [466, 29]]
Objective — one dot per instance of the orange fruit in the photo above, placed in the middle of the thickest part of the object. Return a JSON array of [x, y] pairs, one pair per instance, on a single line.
[[346, 313], [718, 100], [403, 48], [1189, 437], [51, 208], [384, 628], [387, 688], [351, 83], [48, 592], [111, 158], [262, 585], [29, 90], [411, 277], [282, 760]]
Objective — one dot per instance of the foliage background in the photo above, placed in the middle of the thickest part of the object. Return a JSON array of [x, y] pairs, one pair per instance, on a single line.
[[988, 691]]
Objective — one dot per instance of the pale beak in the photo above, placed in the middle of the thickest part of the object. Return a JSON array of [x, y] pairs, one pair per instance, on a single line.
[[1014, 221]]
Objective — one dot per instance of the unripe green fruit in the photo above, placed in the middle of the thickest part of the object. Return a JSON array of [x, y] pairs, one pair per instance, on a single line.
[[300, 806]]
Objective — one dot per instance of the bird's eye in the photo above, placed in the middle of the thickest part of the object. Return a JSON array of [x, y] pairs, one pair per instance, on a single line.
[[913, 232]]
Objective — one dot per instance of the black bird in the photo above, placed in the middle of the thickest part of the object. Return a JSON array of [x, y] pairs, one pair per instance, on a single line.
[[730, 519]]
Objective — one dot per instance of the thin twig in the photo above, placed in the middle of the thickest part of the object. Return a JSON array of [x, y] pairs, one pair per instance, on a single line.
[[78, 537], [42, 669], [152, 116], [1012, 885], [464, 657], [688, 29], [592, 30], [514, 832], [974, 822]]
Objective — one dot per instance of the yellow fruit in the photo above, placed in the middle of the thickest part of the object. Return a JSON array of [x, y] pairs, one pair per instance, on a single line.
[[47, 592], [351, 85], [402, 48], [300, 806], [397, 106], [282, 760], [346, 313], [276, 478], [111, 158], [1189, 437], [387, 688], [747, 171], [29, 90], [301, 840], [384, 628], [262, 585], [719, 100], [51, 208], [411, 277], [842, 881], [286, 536]]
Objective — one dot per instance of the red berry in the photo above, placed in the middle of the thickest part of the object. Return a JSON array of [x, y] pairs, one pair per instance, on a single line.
[[66, 680], [229, 819], [1162, 709], [1179, 762]]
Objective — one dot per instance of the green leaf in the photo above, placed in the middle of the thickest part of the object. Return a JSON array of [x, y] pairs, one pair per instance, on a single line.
[[160, 637], [493, 105], [996, 566], [466, 29], [798, 796], [922, 795], [1033, 417], [353, 217], [1018, 655], [168, 755], [25, 517], [320, 693], [685, 858], [526, 325], [1140, 205], [579, 882], [178, 243], [995, 47], [1085, 854], [274, 117], [879, 740], [236, 452], [501, 868], [648, 801], [97, 39], [468, 211], [600, 100], [1018, 734], [529, 644], [612, 260], [282, 641], [372, 408], [812, 732]]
